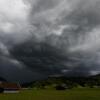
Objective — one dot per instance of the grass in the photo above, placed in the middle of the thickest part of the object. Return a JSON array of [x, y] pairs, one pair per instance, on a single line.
[[74, 94]]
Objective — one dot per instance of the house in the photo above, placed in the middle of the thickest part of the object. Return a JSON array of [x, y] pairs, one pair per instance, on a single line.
[[6, 87]]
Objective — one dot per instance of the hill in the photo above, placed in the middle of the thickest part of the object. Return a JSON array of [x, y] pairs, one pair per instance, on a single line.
[[92, 81], [2, 79]]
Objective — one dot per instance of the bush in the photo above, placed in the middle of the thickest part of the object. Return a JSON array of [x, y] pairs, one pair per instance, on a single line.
[[61, 87]]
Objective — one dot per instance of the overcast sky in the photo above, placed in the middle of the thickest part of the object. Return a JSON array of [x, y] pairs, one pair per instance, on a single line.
[[71, 28]]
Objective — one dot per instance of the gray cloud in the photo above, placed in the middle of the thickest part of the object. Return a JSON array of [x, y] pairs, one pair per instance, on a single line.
[[44, 37]]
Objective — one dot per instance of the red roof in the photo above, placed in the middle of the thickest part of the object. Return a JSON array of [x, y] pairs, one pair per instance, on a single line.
[[6, 85]]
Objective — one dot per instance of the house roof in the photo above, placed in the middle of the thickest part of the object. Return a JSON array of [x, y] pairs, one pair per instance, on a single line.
[[6, 85]]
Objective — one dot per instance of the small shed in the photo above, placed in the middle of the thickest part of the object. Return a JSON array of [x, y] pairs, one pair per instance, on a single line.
[[6, 87]]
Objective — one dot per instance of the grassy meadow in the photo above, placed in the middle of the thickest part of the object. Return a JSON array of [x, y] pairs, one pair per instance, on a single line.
[[73, 94]]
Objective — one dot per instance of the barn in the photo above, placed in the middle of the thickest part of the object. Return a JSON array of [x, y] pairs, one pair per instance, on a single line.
[[6, 87]]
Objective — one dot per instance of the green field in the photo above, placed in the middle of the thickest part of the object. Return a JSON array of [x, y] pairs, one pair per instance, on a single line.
[[74, 94]]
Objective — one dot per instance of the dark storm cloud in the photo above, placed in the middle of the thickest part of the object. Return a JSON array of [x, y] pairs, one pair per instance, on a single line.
[[80, 27], [50, 37]]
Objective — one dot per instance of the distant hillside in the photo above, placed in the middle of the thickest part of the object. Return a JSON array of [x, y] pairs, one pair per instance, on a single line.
[[2, 79], [69, 81]]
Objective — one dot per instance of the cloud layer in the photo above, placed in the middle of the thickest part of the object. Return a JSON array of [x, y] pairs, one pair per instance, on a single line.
[[44, 37]]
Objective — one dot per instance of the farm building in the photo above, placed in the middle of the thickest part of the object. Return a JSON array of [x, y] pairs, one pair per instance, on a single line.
[[6, 87]]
